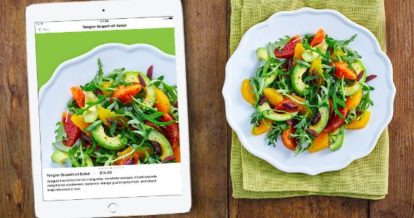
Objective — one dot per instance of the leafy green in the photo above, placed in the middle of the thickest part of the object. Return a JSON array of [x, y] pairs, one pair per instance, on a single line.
[[93, 126], [60, 136], [274, 132], [131, 121], [280, 44]]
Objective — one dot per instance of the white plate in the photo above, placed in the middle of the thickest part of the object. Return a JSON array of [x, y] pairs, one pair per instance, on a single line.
[[55, 94], [243, 63]]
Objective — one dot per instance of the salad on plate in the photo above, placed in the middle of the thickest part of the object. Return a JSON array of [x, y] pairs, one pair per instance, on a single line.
[[120, 118], [308, 89]]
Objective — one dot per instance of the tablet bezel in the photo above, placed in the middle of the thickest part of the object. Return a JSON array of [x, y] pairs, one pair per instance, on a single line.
[[94, 10]]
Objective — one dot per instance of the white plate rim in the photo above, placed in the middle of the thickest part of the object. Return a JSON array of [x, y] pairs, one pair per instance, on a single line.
[[350, 158]]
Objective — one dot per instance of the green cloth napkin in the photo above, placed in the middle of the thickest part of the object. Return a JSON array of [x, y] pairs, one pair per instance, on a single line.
[[254, 178]]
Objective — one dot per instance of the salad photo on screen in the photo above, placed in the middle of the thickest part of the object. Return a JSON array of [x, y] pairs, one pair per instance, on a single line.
[[123, 117]]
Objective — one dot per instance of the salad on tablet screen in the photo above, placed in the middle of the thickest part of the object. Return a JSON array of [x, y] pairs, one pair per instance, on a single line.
[[308, 90], [120, 118]]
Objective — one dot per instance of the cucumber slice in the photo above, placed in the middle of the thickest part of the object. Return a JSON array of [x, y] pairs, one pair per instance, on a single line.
[[268, 112], [298, 85]]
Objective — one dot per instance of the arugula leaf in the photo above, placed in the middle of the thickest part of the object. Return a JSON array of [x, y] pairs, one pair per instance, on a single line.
[[256, 118], [59, 137], [280, 44], [80, 111], [93, 125], [302, 63], [276, 130]]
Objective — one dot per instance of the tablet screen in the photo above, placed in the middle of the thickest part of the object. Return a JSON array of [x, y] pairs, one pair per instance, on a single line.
[[108, 108]]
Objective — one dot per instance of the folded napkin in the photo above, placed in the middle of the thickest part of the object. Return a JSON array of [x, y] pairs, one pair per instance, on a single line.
[[254, 178]]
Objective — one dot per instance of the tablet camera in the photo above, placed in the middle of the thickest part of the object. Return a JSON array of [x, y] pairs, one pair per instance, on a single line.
[[103, 9]]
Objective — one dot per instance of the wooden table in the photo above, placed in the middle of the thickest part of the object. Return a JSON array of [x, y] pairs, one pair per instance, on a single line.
[[207, 34]]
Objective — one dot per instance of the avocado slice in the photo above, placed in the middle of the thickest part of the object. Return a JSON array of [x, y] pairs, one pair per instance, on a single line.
[[358, 67], [336, 140], [166, 148], [262, 54], [268, 112], [352, 89], [111, 143], [321, 124], [309, 55], [150, 96], [132, 76], [323, 46], [298, 85], [59, 157], [90, 115]]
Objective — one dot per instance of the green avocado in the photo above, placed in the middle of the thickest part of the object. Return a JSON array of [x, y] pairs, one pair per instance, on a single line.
[[309, 55], [337, 140], [150, 97], [321, 124], [111, 143], [351, 89], [323, 47], [272, 115], [358, 67], [166, 148], [90, 115], [262, 54], [59, 157], [298, 85], [132, 76]]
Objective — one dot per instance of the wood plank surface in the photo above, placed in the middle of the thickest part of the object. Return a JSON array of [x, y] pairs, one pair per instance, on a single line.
[[400, 46], [206, 34]]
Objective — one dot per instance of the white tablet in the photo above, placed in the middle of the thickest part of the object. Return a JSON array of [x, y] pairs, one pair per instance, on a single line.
[[108, 108]]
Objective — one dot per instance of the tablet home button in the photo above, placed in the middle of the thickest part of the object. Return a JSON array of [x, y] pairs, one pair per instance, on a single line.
[[113, 207]]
